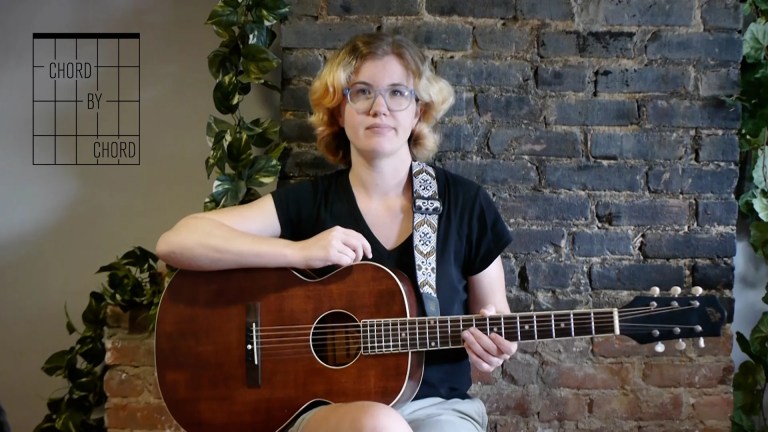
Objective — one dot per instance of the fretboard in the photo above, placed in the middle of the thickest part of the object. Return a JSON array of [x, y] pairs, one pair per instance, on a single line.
[[432, 333]]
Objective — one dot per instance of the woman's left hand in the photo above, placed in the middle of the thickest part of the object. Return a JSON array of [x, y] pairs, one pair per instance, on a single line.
[[487, 352]]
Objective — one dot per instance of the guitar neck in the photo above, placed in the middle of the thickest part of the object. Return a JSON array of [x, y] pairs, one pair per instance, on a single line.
[[433, 333]]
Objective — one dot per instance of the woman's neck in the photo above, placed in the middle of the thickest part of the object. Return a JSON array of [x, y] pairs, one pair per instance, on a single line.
[[381, 177]]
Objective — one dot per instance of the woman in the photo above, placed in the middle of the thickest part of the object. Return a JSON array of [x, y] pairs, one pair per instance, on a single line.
[[374, 102]]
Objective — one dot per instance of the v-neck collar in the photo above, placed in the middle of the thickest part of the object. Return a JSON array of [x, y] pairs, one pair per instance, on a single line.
[[358, 214]]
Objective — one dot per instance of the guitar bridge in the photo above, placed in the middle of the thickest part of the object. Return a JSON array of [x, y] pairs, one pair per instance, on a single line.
[[252, 346]]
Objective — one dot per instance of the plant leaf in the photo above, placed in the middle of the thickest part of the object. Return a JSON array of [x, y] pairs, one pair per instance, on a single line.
[[755, 41], [258, 61], [56, 363], [224, 17]]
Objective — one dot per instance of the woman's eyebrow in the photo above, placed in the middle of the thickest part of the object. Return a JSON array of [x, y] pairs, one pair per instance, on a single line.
[[394, 84]]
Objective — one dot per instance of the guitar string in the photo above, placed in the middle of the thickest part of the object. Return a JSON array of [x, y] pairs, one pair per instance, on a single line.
[[544, 323], [606, 315], [387, 343]]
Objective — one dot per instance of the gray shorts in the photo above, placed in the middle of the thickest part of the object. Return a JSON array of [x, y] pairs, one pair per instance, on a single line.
[[434, 415]]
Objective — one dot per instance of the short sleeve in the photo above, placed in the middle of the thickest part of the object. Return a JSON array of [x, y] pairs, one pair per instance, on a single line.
[[488, 235]]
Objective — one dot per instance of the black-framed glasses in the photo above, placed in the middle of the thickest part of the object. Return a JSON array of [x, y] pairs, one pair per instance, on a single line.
[[396, 97]]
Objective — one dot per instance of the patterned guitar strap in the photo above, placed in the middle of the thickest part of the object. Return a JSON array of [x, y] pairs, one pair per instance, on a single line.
[[426, 208]]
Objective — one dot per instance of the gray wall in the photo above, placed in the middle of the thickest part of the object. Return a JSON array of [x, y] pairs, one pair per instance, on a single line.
[[59, 224]]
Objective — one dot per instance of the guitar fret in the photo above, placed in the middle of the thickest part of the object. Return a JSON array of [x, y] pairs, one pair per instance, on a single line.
[[437, 330], [535, 329], [518, 328], [552, 317], [502, 327], [592, 316], [573, 331]]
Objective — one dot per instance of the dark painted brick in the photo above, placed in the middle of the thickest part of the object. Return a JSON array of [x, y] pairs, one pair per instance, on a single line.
[[301, 64], [311, 34], [689, 245], [295, 99], [694, 46], [605, 44], [651, 212], [475, 8], [496, 172], [547, 10], [636, 276], [640, 12], [304, 7], [558, 44], [693, 180], [563, 78], [538, 241], [720, 82], [602, 243], [458, 137], [374, 8], [307, 162], [536, 142], [643, 80], [713, 276], [594, 177], [508, 39], [723, 148], [436, 35], [297, 130], [640, 145], [708, 113], [546, 207], [551, 276], [463, 106], [508, 108], [595, 112], [714, 213], [721, 14], [475, 72]]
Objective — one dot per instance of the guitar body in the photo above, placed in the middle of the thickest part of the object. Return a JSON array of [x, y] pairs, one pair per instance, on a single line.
[[211, 377]]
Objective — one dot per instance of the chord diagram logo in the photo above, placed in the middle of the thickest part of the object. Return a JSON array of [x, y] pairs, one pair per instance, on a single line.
[[86, 108]]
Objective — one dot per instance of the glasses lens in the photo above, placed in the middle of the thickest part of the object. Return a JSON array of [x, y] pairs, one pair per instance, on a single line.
[[362, 96], [398, 97]]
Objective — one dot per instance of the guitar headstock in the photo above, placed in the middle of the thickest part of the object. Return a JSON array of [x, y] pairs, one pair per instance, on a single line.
[[652, 319]]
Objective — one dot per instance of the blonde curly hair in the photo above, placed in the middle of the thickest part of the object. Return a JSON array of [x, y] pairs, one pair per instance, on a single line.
[[434, 94]]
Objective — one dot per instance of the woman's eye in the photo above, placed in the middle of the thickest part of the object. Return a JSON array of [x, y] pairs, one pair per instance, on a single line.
[[398, 92], [362, 91]]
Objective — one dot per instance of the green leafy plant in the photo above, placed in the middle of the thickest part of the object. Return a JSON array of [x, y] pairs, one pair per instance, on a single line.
[[244, 156], [134, 282], [749, 382]]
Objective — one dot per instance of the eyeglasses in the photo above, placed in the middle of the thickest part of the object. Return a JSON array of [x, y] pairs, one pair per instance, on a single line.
[[396, 97]]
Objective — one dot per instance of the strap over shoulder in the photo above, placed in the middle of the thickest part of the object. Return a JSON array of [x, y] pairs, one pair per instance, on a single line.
[[426, 210]]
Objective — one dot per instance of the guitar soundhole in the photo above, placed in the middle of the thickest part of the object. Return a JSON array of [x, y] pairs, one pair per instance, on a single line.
[[336, 339]]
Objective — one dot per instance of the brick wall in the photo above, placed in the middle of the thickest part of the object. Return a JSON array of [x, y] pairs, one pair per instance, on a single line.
[[600, 129]]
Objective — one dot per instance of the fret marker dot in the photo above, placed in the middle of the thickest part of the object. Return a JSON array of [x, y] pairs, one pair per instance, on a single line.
[[526, 326], [433, 344]]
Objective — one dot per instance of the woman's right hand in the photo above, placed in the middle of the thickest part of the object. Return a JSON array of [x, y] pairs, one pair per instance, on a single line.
[[334, 246]]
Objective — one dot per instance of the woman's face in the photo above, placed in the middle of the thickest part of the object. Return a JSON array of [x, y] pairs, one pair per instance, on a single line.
[[378, 131]]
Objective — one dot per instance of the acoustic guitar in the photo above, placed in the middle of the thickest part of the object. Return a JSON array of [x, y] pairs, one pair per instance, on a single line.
[[247, 349]]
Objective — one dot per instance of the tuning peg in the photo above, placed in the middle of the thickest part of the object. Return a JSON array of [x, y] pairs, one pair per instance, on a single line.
[[655, 291], [675, 290], [701, 342], [697, 290], [659, 348], [680, 345]]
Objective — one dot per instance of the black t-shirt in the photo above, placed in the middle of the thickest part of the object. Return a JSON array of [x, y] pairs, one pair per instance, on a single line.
[[471, 234]]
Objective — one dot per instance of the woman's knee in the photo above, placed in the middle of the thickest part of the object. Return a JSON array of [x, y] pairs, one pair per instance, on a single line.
[[356, 417]]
